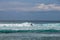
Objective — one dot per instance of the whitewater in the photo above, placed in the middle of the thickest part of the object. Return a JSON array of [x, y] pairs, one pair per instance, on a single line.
[[28, 26]]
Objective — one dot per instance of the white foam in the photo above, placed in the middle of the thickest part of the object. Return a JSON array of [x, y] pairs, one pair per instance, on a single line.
[[28, 26]]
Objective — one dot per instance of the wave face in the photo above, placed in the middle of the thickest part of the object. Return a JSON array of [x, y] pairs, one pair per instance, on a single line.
[[29, 26]]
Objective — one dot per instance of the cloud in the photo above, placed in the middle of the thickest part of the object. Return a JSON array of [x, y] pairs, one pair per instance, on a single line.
[[23, 6], [47, 7]]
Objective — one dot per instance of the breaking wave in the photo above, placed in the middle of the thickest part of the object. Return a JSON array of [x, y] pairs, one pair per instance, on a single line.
[[29, 26]]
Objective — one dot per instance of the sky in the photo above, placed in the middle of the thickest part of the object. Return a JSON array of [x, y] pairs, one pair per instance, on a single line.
[[30, 10]]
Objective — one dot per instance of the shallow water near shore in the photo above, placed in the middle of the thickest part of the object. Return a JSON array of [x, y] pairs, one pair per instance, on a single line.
[[29, 36]]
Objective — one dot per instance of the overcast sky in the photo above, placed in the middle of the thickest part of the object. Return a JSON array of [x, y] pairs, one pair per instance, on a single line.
[[29, 10]]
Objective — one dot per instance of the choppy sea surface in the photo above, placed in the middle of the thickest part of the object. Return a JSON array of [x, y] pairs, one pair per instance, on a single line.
[[29, 30]]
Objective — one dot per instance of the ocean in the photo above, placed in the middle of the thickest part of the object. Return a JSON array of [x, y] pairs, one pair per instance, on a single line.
[[30, 30]]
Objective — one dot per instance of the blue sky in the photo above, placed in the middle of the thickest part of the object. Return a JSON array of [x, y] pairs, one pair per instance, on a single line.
[[29, 10]]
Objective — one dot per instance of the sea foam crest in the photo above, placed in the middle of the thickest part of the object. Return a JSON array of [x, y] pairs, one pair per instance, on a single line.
[[28, 26], [15, 24]]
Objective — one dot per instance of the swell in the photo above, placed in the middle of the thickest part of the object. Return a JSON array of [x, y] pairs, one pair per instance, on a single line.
[[30, 31]]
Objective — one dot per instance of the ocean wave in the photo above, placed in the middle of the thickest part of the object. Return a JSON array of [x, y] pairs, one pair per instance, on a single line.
[[29, 26], [30, 31]]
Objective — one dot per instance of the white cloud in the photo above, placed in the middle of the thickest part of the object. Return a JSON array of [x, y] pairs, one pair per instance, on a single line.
[[47, 7]]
